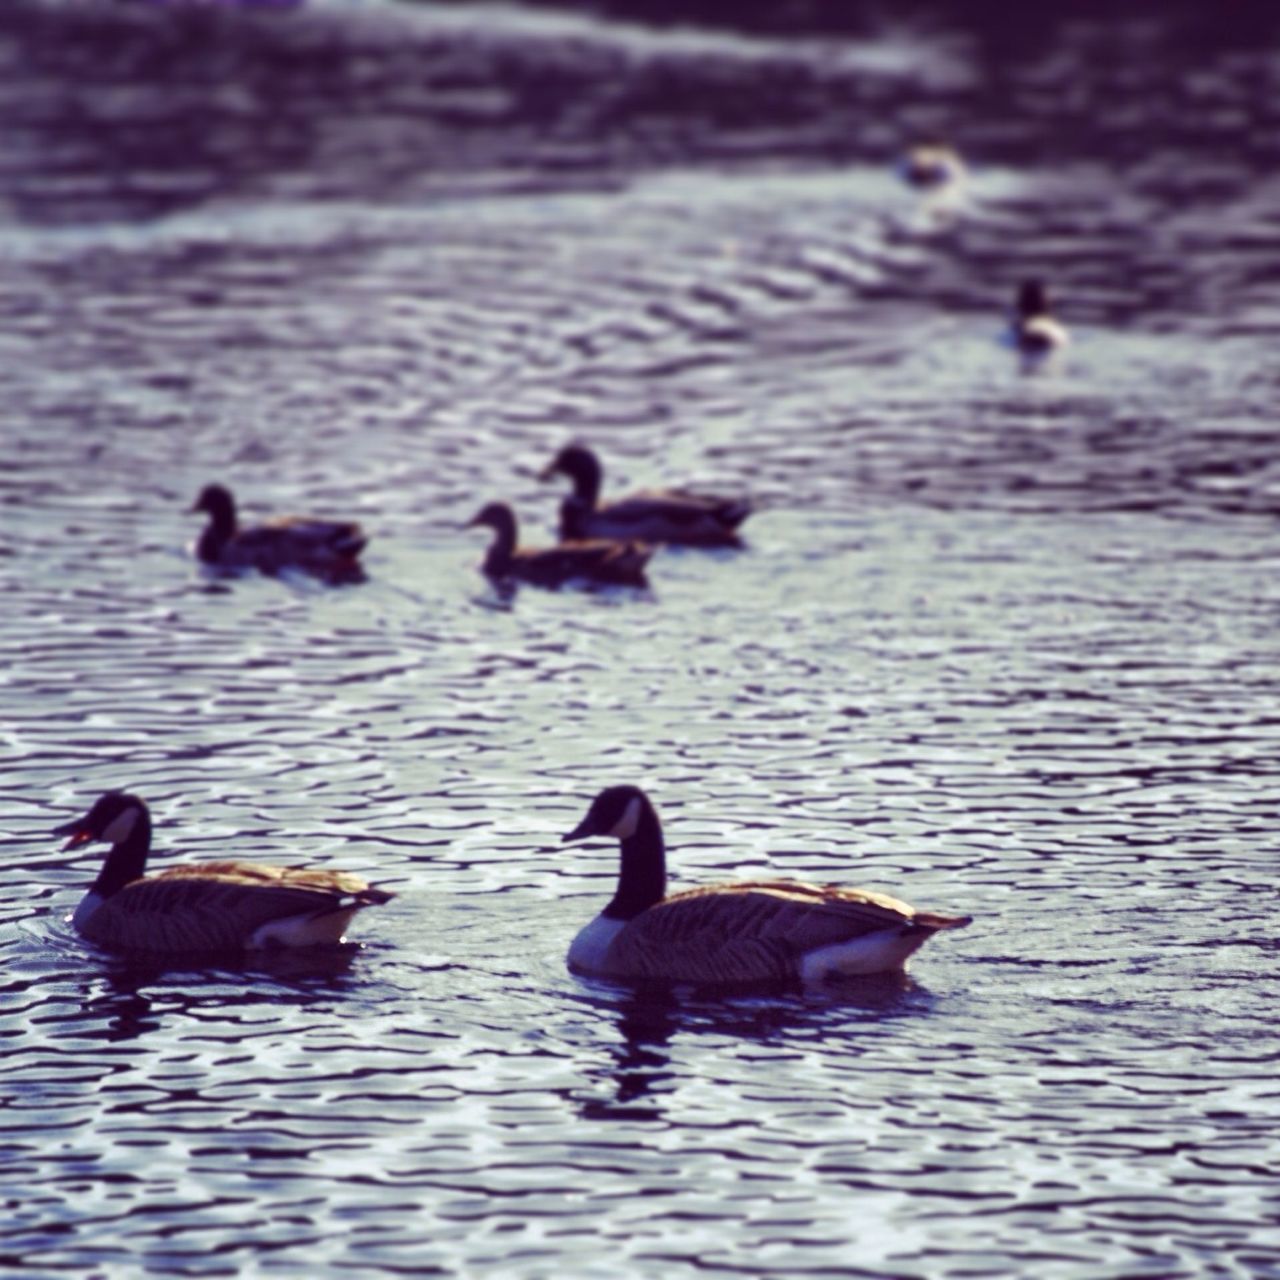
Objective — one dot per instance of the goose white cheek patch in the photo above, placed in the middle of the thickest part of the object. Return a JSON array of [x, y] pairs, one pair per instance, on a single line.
[[121, 827], [630, 820]]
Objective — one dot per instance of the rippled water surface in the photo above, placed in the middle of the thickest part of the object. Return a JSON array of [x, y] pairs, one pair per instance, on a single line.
[[1003, 640]]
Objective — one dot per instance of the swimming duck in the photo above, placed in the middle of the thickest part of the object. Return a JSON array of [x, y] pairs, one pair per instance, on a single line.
[[1035, 330], [203, 906], [931, 165], [750, 931], [591, 560], [327, 547], [660, 515]]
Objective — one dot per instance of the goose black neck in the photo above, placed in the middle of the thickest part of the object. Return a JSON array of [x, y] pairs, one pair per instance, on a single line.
[[497, 560], [642, 880], [219, 531], [1032, 300], [127, 861], [584, 468], [573, 513]]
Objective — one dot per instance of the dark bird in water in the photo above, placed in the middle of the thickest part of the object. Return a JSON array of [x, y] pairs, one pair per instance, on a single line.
[[1035, 329], [590, 561], [203, 906], [661, 515], [327, 548], [932, 165], [747, 931]]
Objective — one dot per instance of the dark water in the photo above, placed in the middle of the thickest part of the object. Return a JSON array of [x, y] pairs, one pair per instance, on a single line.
[[1003, 642]]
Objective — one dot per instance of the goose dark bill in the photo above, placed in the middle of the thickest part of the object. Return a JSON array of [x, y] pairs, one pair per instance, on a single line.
[[79, 833]]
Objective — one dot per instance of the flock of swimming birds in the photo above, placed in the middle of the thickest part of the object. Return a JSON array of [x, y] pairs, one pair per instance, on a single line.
[[747, 931]]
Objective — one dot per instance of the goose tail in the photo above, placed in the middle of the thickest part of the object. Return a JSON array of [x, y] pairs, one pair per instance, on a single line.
[[348, 540], [733, 513], [932, 921]]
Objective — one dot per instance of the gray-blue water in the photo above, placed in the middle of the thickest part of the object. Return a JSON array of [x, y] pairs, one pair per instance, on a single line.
[[1002, 642]]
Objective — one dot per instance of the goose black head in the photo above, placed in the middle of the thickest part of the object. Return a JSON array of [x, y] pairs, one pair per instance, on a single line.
[[497, 516], [582, 466], [494, 515], [113, 818], [615, 812], [220, 506], [215, 499]]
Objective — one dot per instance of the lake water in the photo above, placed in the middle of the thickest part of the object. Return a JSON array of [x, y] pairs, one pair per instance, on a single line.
[[1003, 641]]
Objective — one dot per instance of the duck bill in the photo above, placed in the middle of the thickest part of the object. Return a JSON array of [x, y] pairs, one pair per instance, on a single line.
[[78, 832]]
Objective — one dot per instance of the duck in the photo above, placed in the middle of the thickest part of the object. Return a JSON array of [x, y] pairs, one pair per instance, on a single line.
[[662, 515], [329, 548], [931, 165], [750, 931], [1035, 329], [220, 907], [588, 560]]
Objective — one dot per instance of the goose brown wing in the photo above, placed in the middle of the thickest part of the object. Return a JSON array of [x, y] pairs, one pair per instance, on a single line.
[[263, 875], [300, 538], [217, 906], [339, 534], [678, 508], [753, 931], [693, 505], [604, 561]]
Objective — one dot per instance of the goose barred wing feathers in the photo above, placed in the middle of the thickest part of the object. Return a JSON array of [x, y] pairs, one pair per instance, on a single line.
[[681, 506], [217, 906], [755, 931], [658, 516], [259, 876], [620, 562], [300, 538]]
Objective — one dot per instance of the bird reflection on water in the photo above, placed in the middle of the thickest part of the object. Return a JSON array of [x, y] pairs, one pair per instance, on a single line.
[[129, 1000], [648, 1018]]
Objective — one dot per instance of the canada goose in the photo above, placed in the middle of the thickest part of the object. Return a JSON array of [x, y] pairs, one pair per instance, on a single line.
[[1035, 330], [931, 165], [203, 906], [329, 548], [750, 931], [595, 561], [660, 515]]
